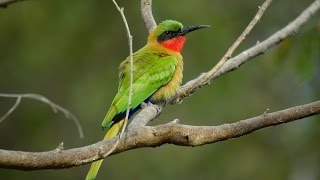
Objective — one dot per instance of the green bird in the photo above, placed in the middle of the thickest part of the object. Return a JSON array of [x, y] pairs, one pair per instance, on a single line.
[[157, 75]]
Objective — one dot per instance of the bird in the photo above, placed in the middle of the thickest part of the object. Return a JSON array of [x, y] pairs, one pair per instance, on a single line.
[[157, 75]]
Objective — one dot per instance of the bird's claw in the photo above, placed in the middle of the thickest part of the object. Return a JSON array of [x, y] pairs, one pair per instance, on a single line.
[[155, 106], [143, 105]]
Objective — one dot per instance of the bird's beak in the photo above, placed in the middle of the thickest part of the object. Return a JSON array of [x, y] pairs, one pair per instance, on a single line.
[[188, 29]]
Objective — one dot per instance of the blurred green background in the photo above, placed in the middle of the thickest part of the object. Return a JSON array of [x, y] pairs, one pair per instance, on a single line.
[[69, 51]]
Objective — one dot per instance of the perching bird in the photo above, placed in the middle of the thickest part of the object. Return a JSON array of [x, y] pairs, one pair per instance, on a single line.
[[157, 75]]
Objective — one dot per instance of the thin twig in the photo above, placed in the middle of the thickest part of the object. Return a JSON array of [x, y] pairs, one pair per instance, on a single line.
[[121, 10], [13, 108], [206, 78], [242, 37], [55, 107], [289, 30]]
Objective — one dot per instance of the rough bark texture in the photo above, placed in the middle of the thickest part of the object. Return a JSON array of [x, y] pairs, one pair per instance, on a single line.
[[145, 136]]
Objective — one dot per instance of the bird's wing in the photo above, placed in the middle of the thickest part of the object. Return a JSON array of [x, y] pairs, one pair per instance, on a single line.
[[148, 76]]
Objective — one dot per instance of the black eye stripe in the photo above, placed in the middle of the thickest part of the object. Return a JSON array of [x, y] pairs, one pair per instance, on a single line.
[[168, 35]]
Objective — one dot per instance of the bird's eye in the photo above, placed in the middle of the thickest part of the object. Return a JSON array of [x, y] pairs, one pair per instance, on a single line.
[[167, 32]]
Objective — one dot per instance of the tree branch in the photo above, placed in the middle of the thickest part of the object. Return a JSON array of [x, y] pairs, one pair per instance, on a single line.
[[205, 78], [129, 36], [55, 107], [11, 110], [233, 63], [146, 136], [146, 12], [139, 136]]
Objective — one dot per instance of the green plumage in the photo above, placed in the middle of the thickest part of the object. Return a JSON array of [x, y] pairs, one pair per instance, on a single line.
[[157, 74], [151, 70]]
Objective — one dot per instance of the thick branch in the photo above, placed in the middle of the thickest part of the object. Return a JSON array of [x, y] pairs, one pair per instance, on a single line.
[[146, 12], [178, 134]]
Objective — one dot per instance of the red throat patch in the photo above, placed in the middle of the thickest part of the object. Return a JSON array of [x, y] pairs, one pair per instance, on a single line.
[[175, 44]]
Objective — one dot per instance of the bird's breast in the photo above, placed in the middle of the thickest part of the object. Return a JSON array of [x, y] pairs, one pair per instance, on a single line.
[[166, 92]]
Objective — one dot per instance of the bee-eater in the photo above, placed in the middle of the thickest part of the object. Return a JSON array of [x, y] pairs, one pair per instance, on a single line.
[[157, 75]]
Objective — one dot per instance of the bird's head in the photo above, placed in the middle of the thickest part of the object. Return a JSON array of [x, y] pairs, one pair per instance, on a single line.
[[171, 34]]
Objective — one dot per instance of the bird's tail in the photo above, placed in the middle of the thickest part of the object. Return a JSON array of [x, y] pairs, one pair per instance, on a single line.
[[113, 131]]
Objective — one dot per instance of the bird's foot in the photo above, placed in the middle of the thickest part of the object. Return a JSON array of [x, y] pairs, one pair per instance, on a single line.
[[157, 106], [143, 105]]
